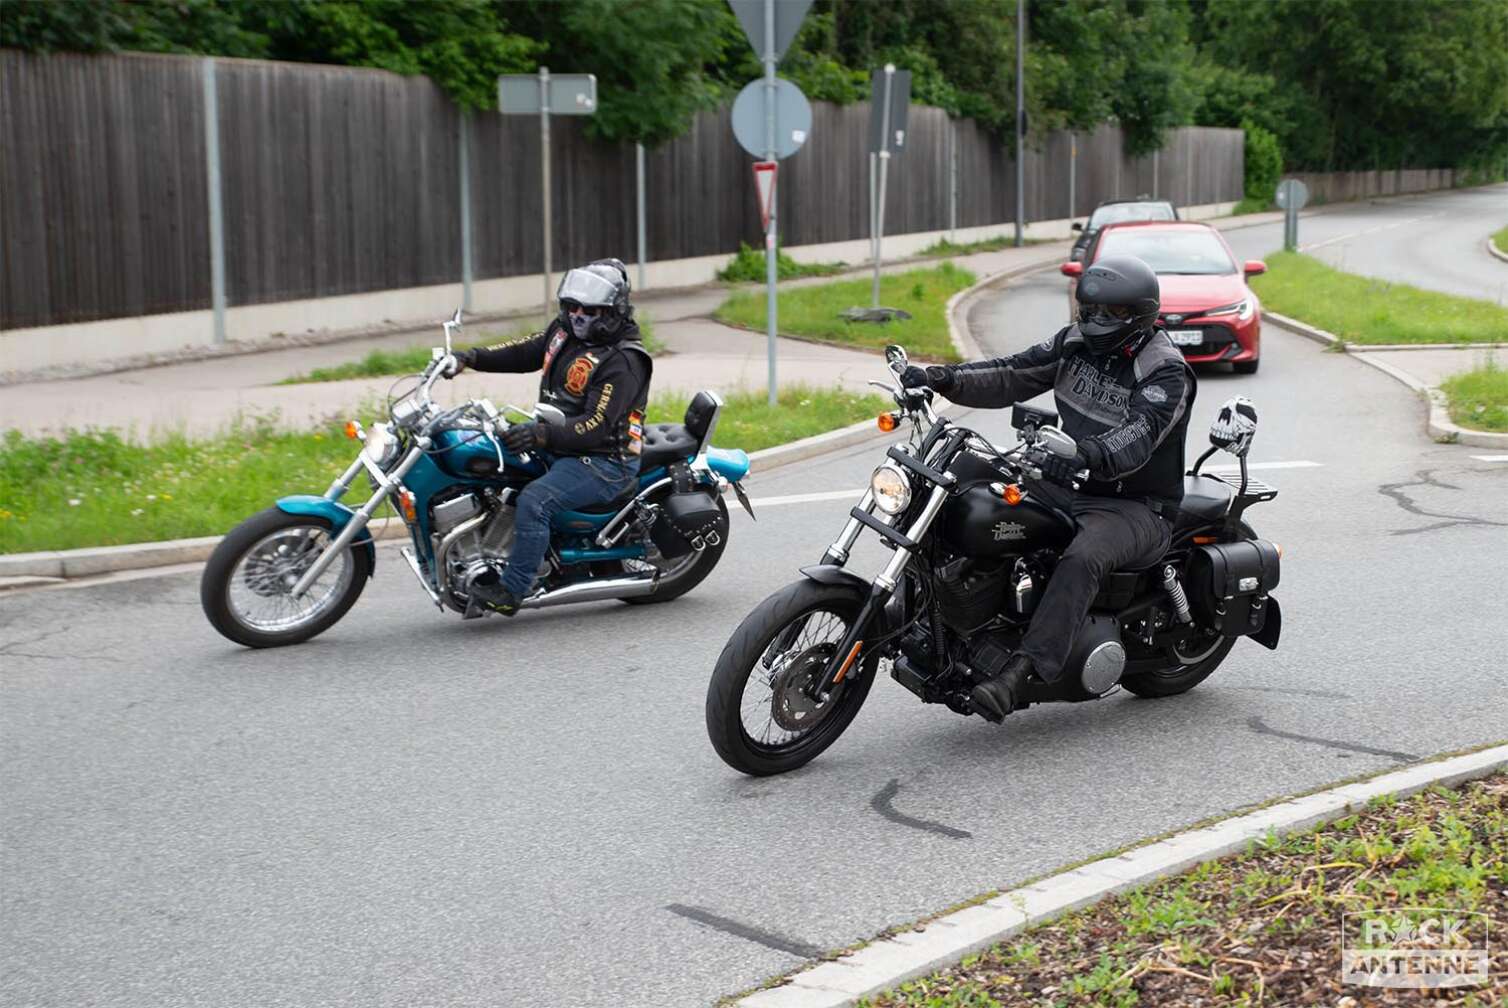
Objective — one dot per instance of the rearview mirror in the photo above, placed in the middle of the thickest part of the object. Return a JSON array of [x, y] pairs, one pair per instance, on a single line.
[[1071, 269], [1253, 267], [1076, 226], [896, 357], [549, 414], [1057, 442]]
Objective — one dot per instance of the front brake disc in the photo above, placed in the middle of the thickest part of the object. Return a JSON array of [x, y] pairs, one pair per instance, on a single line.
[[790, 706]]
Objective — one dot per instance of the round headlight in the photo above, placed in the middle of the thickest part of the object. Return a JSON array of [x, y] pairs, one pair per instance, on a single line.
[[381, 444], [891, 489]]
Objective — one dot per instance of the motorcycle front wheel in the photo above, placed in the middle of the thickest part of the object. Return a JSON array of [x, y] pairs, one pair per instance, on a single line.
[[245, 589], [759, 718]]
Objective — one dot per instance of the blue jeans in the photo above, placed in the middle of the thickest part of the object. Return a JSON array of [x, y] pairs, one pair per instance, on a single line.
[[571, 483]]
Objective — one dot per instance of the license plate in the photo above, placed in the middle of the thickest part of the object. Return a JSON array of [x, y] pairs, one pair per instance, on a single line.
[[1186, 337]]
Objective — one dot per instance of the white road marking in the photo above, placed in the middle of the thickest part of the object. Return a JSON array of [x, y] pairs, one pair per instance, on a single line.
[[1372, 230], [1491, 458], [856, 493]]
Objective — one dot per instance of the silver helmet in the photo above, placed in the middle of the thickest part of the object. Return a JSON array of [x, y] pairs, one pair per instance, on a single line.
[[594, 300]]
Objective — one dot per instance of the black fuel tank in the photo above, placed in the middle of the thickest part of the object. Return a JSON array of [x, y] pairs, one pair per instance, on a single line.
[[979, 523]]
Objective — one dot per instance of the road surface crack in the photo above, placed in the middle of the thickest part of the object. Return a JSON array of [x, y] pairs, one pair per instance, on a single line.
[[727, 925], [1394, 491], [881, 803], [1259, 726]]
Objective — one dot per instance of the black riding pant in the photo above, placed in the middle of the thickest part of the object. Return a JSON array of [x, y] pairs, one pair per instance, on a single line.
[[1113, 534]]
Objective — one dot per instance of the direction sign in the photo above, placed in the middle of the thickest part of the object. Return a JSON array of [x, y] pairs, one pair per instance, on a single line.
[[565, 94], [764, 186], [892, 135], [793, 118], [788, 17]]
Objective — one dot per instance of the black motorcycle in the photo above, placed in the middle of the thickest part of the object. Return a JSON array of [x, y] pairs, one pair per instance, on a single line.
[[976, 534]]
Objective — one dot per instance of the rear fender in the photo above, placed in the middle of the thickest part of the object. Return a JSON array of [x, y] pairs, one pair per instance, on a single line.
[[732, 464], [338, 515]]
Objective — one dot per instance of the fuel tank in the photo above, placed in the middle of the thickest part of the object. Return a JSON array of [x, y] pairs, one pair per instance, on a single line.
[[470, 454], [979, 523]]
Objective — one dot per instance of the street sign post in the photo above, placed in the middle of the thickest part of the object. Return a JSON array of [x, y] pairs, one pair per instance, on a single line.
[[786, 117], [543, 95], [890, 95], [1291, 197]]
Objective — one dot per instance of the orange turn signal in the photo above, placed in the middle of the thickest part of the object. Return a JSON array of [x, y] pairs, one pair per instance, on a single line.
[[848, 662], [1205, 540], [353, 429], [887, 422], [406, 505], [1012, 494]]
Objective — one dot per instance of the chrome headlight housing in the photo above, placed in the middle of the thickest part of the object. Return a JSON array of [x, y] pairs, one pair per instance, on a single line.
[[891, 488], [381, 445], [407, 408]]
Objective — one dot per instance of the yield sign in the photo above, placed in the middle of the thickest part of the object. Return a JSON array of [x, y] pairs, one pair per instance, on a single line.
[[764, 183]]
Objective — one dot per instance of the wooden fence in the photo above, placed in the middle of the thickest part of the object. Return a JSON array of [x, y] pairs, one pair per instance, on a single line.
[[339, 180]]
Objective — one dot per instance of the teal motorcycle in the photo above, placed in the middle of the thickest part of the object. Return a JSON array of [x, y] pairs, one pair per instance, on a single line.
[[292, 571]]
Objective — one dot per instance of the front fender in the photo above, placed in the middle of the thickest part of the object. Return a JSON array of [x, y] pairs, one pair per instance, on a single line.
[[336, 513], [832, 574]]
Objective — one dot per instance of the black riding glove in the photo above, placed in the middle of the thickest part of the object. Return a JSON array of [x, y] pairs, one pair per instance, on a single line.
[[1060, 470], [464, 360], [939, 379], [525, 437]]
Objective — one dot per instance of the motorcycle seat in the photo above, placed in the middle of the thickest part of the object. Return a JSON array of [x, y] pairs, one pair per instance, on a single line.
[[1205, 499], [665, 443]]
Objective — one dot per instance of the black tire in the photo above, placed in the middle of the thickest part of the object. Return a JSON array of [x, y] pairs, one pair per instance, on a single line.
[[1182, 678], [744, 651], [1246, 367], [682, 579], [215, 587]]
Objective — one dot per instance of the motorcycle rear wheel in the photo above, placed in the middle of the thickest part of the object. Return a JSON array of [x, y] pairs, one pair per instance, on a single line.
[[680, 575], [244, 588], [820, 614]]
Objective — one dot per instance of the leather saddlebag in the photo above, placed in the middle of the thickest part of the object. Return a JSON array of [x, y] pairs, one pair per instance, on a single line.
[[1228, 585]]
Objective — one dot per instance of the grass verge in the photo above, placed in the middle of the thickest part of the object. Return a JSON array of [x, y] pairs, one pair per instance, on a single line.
[[942, 247], [93, 488], [389, 363], [748, 266], [1365, 310], [1260, 928], [1479, 399], [1500, 239], [812, 312]]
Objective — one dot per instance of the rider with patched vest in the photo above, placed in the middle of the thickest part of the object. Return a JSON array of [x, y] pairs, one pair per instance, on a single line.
[[1123, 391], [594, 368]]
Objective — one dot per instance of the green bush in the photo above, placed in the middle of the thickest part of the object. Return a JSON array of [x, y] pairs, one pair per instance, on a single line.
[[748, 266], [1264, 164]]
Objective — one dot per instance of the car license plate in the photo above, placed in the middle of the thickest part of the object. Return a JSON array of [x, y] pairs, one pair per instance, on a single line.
[[1186, 337]]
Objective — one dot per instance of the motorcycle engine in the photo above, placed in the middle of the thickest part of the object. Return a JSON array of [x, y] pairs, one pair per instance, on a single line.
[[483, 547]]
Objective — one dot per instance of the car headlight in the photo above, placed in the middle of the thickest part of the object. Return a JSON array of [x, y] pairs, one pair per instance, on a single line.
[[381, 444], [1243, 310], [891, 489]]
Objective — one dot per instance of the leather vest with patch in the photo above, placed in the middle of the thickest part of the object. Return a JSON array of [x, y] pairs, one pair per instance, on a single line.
[[566, 378]]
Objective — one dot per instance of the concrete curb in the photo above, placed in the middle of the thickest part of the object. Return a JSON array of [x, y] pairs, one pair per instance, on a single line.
[[1494, 251], [958, 323], [942, 942], [1438, 424]]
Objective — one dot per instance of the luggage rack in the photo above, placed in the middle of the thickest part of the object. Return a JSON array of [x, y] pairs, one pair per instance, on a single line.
[[1255, 488]]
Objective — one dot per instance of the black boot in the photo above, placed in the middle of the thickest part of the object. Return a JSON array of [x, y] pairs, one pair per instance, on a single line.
[[999, 695], [495, 598]]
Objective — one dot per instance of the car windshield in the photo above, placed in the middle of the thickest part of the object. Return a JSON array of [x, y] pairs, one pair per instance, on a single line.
[[1193, 253], [1115, 213]]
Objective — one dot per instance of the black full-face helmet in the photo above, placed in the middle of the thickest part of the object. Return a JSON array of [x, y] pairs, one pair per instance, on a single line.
[[1118, 302], [594, 301]]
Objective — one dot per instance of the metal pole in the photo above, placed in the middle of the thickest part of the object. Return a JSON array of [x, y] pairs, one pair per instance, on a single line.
[[216, 206], [1020, 119], [874, 172], [770, 250], [952, 181], [544, 175], [1073, 170], [639, 172], [1154, 173], [466, 209], [879, 202]]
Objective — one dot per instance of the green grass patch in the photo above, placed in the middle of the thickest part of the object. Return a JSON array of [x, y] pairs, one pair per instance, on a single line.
[[1365, 310], [1479, 399], [1500, 239], [943, 248], [748, 266], [1251, 205], [389, 363], [1262, 927], [812, 312], [94, 488]]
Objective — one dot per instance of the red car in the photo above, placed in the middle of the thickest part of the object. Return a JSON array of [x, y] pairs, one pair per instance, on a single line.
[[1207, 308]]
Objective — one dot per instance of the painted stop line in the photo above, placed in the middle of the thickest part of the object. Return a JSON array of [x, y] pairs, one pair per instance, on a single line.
[[1491, 458], [831, 495]]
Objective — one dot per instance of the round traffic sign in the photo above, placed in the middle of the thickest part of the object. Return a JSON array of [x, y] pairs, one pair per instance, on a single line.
[[793, 118], [1292, 194]]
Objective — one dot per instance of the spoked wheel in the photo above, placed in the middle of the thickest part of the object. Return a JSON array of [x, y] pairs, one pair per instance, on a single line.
[[246, 590], [759, 716], [678, 575]]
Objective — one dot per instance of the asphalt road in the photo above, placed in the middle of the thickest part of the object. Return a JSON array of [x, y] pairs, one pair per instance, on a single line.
[[414, 810]]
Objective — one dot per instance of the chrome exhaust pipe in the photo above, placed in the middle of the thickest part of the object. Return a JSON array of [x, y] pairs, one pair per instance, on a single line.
[[594, 591]]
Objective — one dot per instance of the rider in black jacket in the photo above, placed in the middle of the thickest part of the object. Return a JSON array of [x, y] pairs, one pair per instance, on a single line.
[[595, 369], [1124, 392]]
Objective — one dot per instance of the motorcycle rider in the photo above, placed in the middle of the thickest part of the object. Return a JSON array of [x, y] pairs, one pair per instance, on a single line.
[[594, 368], [1124, 393]]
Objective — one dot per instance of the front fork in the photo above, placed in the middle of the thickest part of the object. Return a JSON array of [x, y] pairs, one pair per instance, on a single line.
[[386, 484], [880, 591]]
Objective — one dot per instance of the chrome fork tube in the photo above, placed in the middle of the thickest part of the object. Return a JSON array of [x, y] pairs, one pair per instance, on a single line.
[[340, 486], [837, 553], [358, 521], [891, 574]]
